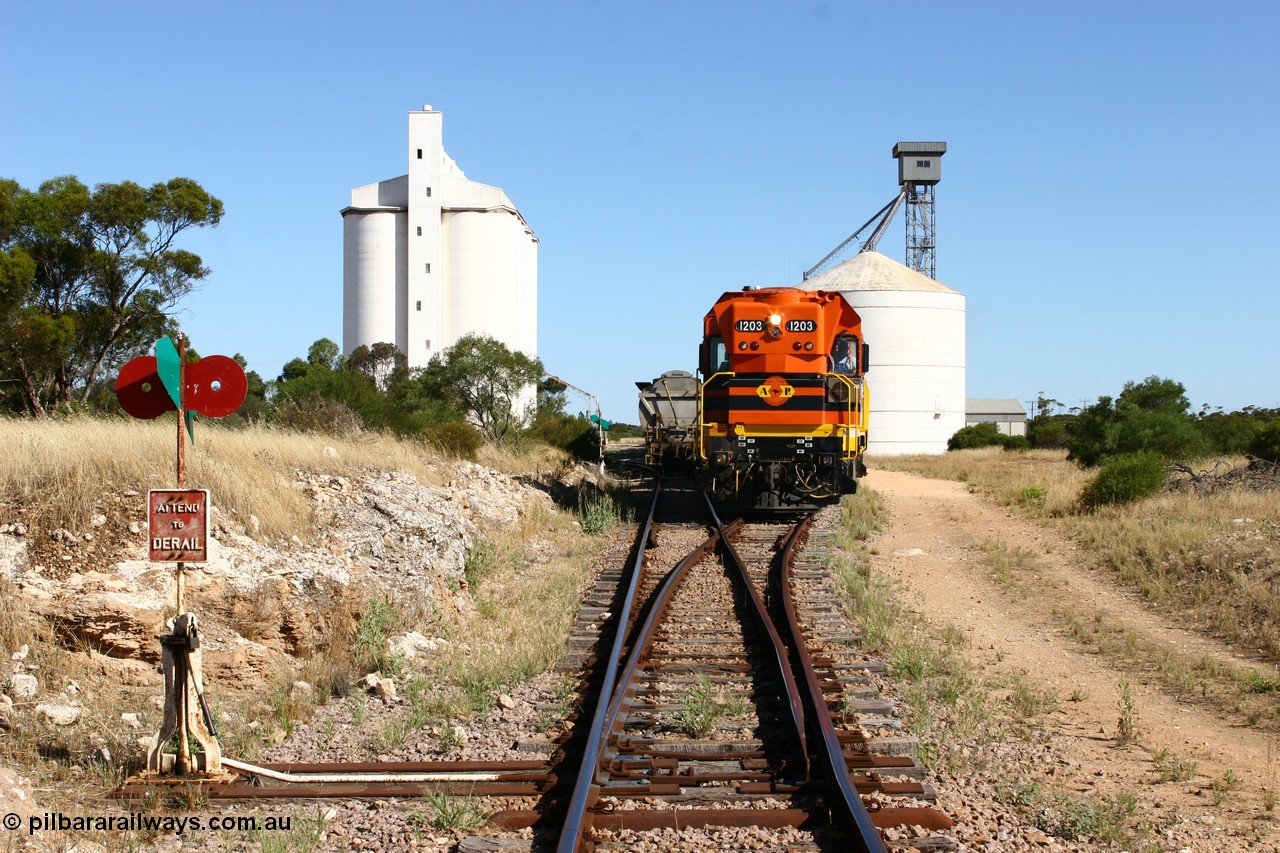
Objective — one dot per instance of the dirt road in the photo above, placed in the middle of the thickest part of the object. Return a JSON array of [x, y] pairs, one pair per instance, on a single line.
[[938, 546]]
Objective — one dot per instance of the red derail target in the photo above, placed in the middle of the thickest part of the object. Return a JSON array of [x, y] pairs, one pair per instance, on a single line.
[[177, 524], [214, 386]]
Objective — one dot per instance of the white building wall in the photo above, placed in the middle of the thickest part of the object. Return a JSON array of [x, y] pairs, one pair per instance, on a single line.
[[426, 282]]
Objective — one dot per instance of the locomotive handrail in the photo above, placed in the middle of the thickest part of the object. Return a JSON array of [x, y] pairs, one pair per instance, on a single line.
[[702, 409], [858, 403]]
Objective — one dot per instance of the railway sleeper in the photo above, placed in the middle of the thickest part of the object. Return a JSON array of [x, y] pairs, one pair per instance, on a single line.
[[875, 723], [632, 765], [872, 665], [687, 820]]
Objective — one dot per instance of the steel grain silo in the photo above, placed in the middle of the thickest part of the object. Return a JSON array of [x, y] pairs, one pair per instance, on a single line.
[[916, 329]]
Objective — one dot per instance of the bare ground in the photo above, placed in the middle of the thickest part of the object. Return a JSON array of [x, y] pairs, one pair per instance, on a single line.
[[1014, 631]]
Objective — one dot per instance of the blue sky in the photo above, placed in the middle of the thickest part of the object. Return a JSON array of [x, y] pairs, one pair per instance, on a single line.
[[1108, 202]]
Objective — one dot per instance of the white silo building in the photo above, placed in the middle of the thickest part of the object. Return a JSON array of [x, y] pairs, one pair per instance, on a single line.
[[431, 256], [916, 329]]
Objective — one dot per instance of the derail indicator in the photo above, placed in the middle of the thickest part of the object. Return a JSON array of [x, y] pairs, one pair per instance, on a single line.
[[177, 525], [775, 391]]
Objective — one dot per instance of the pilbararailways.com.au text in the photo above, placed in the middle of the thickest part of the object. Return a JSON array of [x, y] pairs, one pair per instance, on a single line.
[[136, 822]]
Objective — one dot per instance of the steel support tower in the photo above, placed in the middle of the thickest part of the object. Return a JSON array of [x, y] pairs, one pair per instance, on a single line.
[[919, 170]]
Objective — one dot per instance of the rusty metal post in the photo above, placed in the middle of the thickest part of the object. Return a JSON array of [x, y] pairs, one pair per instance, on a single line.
[[183, 697]]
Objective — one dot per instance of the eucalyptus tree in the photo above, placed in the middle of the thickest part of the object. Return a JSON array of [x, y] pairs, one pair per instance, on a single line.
[[89, 279]]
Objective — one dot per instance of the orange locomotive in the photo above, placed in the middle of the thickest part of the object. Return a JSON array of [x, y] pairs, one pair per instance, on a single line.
[[782, 419]]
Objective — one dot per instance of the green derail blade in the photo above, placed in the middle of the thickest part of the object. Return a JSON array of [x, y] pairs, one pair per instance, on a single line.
[[191, 425], [168, 367]]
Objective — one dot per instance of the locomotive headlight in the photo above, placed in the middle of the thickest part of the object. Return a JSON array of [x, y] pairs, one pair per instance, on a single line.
[[775, 319]]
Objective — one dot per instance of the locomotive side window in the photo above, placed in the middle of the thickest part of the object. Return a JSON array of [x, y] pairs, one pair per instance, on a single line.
[[844, 355], [717, 356]]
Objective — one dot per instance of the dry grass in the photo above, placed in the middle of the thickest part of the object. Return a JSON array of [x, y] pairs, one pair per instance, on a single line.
[[1215, 558], [525, 606], [63, 468], [1212, 559], [1004, 476], [529, 458]]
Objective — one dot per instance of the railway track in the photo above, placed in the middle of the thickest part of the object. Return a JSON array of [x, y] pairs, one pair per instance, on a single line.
[[720, 698], [721, 687]]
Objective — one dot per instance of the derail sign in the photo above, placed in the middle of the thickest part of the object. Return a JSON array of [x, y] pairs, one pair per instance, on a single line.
[[177, 521]]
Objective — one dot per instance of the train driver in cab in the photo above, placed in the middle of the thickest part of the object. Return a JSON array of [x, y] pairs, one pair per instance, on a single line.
[[845, 356]]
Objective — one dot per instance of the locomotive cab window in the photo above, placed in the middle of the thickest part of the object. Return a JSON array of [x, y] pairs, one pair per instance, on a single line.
[[717, 356], [844, 355]]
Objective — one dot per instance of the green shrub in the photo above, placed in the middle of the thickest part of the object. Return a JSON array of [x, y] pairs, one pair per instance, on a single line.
[[314, 413], [1126, 478], [1049, 431], [481, 560], [1017, 442], [597, 513], [1033, 497], [1148, 416], [1266, 444], [459, 440], [574, 434], [559, 430], [976, 435], [377, 623]]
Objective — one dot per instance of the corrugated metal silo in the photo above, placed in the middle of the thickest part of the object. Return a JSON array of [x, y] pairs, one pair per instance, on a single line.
[[916, 329]]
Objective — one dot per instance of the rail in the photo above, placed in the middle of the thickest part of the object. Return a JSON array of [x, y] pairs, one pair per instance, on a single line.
[[794, 699], [848, 807], [591, 778], [585, 789]]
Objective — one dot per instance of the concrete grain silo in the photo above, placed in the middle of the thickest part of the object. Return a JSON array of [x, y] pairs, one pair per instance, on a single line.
[[916, 329], [431, 256]]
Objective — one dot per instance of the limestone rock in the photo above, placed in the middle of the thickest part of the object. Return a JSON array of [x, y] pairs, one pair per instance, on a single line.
[[59, 714], [13, 556], [121, 624], [383, 688], [24, 686], [412, 644]]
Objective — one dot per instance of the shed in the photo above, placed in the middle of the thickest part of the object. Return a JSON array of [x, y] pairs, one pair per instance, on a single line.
[[1008, 415]]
